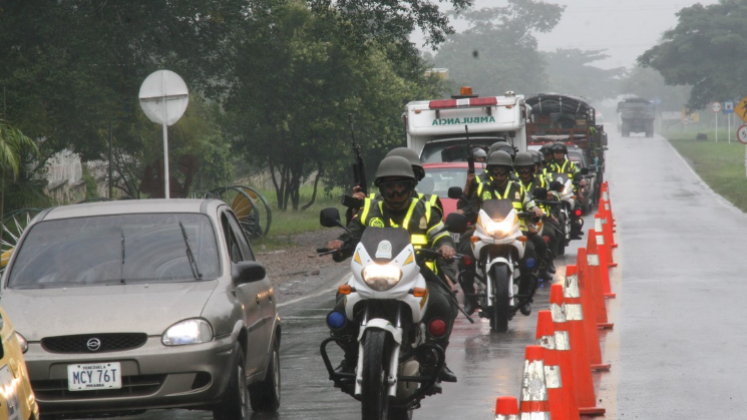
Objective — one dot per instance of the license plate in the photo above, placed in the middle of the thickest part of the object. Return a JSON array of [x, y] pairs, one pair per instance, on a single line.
[[92, 376]]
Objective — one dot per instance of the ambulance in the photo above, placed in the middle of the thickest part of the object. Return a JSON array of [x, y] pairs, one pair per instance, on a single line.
[[448, 130]]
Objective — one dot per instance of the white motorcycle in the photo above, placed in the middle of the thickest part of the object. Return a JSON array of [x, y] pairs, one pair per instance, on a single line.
[[568, 211], [498, 246], [387, 297]]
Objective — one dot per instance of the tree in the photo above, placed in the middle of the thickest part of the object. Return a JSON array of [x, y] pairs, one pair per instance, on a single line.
[[569, 71], [499, 51], [705, 50], [295, 86]]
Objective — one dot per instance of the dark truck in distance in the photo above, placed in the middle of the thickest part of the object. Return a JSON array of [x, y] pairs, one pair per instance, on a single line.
[[636, 115]]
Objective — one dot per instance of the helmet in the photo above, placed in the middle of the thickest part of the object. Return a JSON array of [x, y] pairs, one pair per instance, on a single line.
[[394, 167], [479, 152], [411, 156], [502, 145], [546, 149], [559, 147], [500, 158], [523, 159], [537, 157]]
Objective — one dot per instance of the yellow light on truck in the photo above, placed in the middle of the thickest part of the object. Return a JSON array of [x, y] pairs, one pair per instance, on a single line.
[[465, 91]]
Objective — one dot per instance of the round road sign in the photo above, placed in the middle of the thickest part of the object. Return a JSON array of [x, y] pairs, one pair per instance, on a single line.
[[716, 107], [742, 134], [164, 97]]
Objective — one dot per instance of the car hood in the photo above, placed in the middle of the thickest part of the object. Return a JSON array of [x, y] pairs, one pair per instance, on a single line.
[[144, 308]]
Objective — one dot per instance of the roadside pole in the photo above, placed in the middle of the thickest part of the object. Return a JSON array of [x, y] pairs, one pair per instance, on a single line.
[[729, 110], [716, 108], [742, 137]]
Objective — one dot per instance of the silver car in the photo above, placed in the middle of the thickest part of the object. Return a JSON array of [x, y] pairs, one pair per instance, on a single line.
[[133, 305]]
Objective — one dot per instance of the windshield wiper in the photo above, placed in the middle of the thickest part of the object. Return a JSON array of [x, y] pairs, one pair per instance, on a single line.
[[192, 263], [121, 268]]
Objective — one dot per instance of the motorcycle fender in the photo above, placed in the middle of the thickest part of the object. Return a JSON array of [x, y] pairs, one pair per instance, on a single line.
[[381, 324]]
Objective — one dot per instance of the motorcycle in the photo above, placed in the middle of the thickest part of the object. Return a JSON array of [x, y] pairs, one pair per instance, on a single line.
[[387, 297], [569, 214], [499, 247]]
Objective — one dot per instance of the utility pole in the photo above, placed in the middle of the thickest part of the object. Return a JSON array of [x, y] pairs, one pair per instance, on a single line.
[[111, 188]]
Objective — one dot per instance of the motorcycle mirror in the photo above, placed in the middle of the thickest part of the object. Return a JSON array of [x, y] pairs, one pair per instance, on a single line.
[[540, 193], [456, 222], [593, 168], [330, 217], [584, 171], [455, 193], [556, 186]]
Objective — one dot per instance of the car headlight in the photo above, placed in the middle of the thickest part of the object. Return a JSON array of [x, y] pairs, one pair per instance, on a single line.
[[191, 331], [381, 277], [500, 228], [22, 342]]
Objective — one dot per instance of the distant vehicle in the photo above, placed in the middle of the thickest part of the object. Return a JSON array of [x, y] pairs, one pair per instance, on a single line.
[[636, 115], [17, 400], [133, 305], [436, 129]]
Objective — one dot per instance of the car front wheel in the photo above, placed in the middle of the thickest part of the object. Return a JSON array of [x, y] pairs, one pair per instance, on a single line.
[[235, 402]]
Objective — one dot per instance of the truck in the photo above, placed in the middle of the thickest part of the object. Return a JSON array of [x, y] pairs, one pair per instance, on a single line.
[[436, 128], [636, 115], [571, 120]]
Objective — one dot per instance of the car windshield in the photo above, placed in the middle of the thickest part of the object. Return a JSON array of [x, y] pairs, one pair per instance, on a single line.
[[117, 249], [439, 180], [454, 150]]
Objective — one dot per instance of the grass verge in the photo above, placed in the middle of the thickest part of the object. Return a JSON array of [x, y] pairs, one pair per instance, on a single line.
[[721, 165]]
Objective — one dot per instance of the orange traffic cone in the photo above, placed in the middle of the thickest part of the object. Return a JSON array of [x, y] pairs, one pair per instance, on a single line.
[[584, 387], [603, 238], [606, 206], [603, 275], [506, 408], [533, 387], [559, 391], [572, 296], [563, 345]]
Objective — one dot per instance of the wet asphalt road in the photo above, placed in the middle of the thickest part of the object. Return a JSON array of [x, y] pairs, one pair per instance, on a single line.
[[677, 342]]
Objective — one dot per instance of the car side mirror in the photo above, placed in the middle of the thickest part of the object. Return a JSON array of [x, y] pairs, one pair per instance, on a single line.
[[330, 217], [455, 193], [248, 271], [456, 222], [540, 193]]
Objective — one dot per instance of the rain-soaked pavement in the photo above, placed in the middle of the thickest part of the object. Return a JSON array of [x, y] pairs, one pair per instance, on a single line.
[[677, 342]]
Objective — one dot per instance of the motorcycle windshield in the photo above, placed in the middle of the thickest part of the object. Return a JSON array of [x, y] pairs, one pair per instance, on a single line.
[[497, 210], [383, 244]]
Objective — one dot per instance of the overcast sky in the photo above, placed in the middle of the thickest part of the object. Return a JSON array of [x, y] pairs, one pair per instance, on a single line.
[[625, 28]]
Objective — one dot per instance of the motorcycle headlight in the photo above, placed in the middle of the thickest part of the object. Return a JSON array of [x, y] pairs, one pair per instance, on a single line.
[[190, 331], [500, 228], [381, 277]]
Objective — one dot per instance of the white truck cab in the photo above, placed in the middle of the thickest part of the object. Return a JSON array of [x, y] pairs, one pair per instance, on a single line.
[[436, 129]]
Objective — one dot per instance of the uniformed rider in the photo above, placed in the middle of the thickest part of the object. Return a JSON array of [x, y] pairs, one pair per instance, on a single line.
[[400, 207], [499, 186]]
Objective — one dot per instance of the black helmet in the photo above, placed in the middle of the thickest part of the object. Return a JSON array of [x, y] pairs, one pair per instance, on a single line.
[[499, 158], [394, 167], [502, 145], [559, 147], [523, 159], [546, 149], [412, 157]]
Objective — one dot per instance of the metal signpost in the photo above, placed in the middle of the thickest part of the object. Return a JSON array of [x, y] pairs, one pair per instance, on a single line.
[[729, 110], [716, 108], [164, 98], [742, 137]]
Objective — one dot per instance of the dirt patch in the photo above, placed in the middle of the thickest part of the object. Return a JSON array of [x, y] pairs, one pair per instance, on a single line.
[[297, 270]]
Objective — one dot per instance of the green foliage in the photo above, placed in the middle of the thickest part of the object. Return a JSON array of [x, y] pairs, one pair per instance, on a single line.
[[569, 71], [499, 51], [92, 190], [705, 50]]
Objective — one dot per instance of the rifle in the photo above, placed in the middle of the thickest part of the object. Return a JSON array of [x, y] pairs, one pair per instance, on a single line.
[[359, 172]]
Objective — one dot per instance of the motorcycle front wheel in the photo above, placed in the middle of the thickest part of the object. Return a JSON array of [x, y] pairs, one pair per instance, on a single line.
[[374, 397], [501, 278]]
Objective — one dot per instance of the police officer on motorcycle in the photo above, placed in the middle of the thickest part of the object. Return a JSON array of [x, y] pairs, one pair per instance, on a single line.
[[400, 207], [500, 167]]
